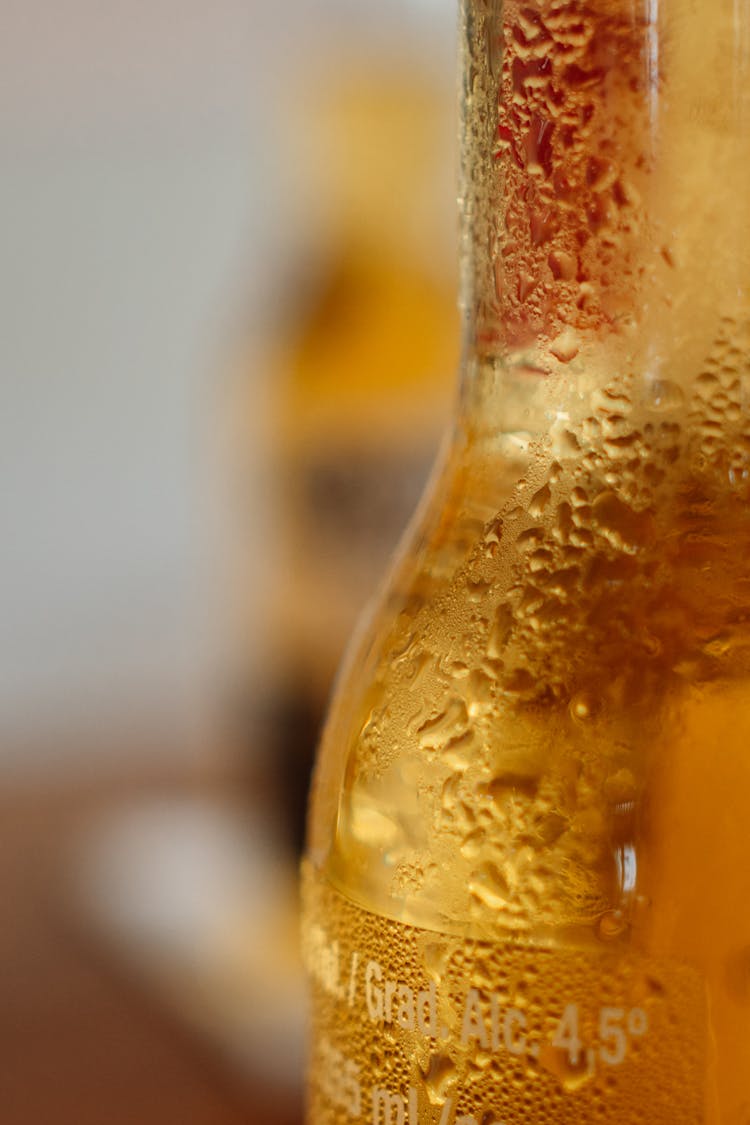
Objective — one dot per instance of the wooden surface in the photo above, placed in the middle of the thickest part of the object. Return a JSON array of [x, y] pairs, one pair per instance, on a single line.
[[81, 1043]]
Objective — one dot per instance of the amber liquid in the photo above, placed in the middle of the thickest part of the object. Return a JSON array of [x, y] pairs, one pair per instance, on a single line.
[[553, 744], [541, 741], [412, 1025]]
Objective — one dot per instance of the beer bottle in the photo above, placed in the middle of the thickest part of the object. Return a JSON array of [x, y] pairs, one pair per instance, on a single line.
[[527, 884]]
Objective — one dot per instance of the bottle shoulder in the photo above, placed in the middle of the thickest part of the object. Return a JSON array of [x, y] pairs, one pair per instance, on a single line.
[[519, 696]]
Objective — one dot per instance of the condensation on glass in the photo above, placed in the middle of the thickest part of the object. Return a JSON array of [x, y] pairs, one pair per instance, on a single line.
[[528, 876]]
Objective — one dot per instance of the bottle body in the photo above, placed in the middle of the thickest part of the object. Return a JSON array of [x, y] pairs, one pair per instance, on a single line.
[[528, 874]]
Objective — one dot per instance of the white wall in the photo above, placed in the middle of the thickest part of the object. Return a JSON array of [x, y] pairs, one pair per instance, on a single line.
[[142, 195]]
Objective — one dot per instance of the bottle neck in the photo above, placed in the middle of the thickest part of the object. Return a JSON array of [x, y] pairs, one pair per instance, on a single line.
[[606, 173]]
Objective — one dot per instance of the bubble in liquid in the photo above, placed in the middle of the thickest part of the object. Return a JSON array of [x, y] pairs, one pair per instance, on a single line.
[[582, 706]]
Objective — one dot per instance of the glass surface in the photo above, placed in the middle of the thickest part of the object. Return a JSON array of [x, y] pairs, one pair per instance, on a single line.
[[539, 741]]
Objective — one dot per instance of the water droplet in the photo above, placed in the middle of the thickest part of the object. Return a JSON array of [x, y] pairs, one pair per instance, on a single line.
[[437, 732], [541, 560], [490, 887], [620, 523], [529, 539], [436, 956], [566, 346], [551, 827], [441, 1074], [564, 266], [514, 781], [571, 442], [472, 846], [668, 256], [476, 590], [449, 795], [664, 395], [373, 827], [539, 502], [611, 925], [564, 520], [481, 688], [458, 753], [500, 632], [526, 285]]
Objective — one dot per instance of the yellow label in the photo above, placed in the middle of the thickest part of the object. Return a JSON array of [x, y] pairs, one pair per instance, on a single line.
[[413, 1027]]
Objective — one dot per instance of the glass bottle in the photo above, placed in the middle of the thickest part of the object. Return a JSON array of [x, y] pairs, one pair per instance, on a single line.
[[527, 888]]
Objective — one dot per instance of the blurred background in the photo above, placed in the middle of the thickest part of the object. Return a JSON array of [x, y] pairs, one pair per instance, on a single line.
[[228, 348]]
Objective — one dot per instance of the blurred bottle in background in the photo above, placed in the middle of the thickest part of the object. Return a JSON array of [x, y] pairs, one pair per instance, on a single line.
[[152, 161], [362, 383], [328, 418]]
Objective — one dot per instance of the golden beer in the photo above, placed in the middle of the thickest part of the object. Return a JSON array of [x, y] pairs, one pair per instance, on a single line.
[[527, 889]]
